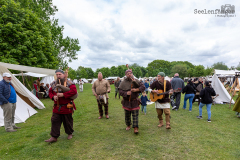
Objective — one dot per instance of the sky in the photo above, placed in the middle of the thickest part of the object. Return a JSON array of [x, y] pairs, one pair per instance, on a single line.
[[119, 32]]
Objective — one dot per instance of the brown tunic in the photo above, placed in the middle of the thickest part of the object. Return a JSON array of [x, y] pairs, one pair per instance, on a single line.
[[101, 87], [156, 85], [133, 103]]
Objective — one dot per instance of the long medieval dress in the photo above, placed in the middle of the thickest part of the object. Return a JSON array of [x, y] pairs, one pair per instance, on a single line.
[[236, 106], [35, 90]]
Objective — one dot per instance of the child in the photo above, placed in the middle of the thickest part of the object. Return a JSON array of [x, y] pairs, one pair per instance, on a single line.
[[144, 100]]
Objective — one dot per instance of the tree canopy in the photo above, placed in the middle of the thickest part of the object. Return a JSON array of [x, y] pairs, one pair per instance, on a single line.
[[220, 65], [29, 36]]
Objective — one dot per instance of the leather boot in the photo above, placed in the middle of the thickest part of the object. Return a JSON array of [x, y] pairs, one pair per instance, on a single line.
[[128, 128], [11, 130], [52, 139], [136, 130], [160, 123], [168, 125], [69, 136], [15, 127]]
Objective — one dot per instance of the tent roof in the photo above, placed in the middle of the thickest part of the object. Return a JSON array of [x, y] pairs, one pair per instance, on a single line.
[[224, 96], [31, 74], [225, 72], [28, 69], [22, 91]]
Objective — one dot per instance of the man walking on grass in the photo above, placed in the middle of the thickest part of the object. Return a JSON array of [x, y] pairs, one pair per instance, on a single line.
[[162, 105], [100, 89], [61, 112], [8, 99], [129, 89], [176, 83]]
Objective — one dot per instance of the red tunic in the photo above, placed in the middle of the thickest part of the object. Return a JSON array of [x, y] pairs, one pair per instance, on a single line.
[[35, 86], [64, 100]]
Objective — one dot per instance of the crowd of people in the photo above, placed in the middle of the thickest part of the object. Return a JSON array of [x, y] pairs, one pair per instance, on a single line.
[[130, 90]]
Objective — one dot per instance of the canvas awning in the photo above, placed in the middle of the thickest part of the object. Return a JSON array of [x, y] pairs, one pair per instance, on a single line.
[[28, 69], [31, 74]]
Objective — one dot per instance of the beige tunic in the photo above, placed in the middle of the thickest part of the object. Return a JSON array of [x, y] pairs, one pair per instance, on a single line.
[[101, 88]]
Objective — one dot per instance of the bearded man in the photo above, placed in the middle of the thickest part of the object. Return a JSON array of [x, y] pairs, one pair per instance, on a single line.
[[162, 105], [130, 90], [61, 113], [100, 89]]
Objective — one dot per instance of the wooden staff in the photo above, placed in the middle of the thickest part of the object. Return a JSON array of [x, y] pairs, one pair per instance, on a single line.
[[66, 76], [57, 93]]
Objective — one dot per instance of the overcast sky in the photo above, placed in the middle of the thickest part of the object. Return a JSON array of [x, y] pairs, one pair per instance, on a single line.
[[116, 32]]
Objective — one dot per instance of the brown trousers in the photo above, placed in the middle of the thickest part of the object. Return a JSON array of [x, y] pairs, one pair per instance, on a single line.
[[100, 104], [57, 120], [166, 112]]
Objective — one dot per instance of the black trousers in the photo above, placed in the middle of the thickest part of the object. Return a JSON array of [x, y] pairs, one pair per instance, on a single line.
[[57, 120], [177, 97], [100, 109]]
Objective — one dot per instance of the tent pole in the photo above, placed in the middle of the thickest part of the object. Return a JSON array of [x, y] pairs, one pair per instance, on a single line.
[[23, 79]]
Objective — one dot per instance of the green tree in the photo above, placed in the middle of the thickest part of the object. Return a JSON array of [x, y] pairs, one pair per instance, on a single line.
[[155, 72], [208, 71], [220, 65], [83, 73], [144, 70], [158, 64], [121, 70], [96, 73], [138, 72], [198, 71], [24, 39], [64, 48], [90, 72], [146, 75], [114, 71], [72, 74], [181, 69], [190, 72]]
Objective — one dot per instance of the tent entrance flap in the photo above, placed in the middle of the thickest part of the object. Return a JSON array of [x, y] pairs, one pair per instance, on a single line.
[[26, 100]]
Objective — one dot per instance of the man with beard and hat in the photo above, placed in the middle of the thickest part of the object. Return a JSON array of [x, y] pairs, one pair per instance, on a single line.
[[162, 105], [61, 113], [100, 89], [129, 89], [8, 99]]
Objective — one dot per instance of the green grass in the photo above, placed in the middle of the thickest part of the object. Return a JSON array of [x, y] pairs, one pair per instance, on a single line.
[[189, 138]]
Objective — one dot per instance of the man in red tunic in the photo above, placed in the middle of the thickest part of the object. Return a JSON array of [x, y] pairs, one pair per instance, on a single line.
[[61, 114]]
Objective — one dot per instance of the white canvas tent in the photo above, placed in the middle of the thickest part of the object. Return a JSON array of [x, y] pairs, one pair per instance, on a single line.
[[93, 80], [75, 81], [84, 80], [21, 90], [224, 96], [30, 74], [47, 80], [22, 113], [225, 72]]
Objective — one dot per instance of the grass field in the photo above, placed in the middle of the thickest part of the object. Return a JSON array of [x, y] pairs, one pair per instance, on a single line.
[[189, 138]]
